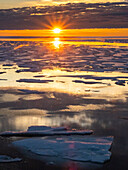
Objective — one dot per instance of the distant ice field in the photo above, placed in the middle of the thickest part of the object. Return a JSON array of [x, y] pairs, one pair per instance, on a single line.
[[48, 81]]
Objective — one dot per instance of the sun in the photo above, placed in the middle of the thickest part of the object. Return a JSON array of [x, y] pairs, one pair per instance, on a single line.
[[57, 30]]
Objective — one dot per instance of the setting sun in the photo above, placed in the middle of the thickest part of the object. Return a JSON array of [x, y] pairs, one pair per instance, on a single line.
[[57, 30]]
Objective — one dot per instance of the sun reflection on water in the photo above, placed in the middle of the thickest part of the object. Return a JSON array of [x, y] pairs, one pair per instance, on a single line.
[[57, 43]]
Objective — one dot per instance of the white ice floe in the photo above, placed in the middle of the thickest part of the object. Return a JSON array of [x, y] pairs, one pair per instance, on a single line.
[[81, 149], [7, 159]]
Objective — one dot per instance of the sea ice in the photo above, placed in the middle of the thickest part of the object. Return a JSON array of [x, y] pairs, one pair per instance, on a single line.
[[34, 81], [46, 133], [87, 82], [7, 159], [24, 91], [120, 82], [81, 149], [58, 144], [3, 79], [2, 72], [44, 128]]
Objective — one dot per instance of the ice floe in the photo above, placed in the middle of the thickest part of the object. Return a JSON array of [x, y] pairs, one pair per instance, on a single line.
[[81, 149], [120, 82], [33, 131], [8, 159], [3, 79], [2, 72], [87, 82], [59, 142], [24, 91], [45, 128], [46, 133], [34, 81]]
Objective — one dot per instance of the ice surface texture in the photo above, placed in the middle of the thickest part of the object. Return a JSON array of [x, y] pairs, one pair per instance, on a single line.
[[7, 159], [82, 149]]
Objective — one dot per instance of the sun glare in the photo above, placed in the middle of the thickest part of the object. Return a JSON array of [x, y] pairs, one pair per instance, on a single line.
[[56, 42], [57, 30]]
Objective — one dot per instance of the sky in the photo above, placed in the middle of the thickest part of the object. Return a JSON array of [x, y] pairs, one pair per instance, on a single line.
[[69, 16], [5, 4]]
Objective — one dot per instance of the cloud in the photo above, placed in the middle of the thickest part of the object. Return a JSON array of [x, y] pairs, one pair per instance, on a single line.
[[80, 15], [23, 3]]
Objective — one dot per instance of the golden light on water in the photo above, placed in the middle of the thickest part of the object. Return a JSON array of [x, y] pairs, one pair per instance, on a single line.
[[56, 42]]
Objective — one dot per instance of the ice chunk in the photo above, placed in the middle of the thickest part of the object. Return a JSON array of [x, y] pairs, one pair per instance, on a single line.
[[34, 81], [7, 159], [87, 82], [3, 79], [81, 149], [44, 128], [46, 133], [30, 91], [38, 128], [2, 72], [120, 82]]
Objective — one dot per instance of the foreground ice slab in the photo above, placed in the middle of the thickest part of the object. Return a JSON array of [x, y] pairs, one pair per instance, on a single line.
[[7, 159], [81, 149]]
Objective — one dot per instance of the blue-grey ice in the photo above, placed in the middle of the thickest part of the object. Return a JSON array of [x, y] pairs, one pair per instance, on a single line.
[[81, 149], [34, 131], [7, 159], [45, 133], [45, 128]]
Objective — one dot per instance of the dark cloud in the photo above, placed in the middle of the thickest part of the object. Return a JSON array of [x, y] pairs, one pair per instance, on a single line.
[[74, 15]]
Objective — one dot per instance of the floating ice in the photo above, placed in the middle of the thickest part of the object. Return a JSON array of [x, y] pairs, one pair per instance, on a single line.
[[8, 65], [44, 128], [120, 82], [46, 133], [7, 159], [87, 82], [2, 72], [31, 91], [60, 145], [3, 79], [81, 149], [34, 81]]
